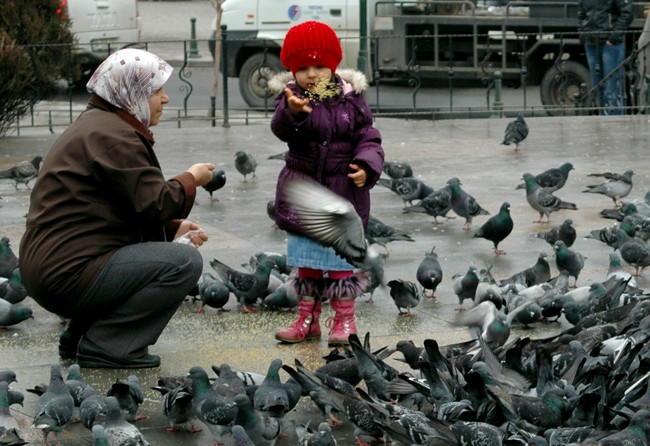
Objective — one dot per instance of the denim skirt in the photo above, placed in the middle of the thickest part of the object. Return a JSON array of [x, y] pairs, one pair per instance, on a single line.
[[306, 253]]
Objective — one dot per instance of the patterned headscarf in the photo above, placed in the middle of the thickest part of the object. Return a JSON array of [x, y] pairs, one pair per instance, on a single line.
[[128, 78]]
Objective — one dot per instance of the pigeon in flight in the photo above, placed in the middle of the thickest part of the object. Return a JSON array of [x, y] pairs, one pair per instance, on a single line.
[[497, 228], [516, 132], [23, 172], [217, 182], [542, 201], [397, 169], [616, 187], [245, 164]]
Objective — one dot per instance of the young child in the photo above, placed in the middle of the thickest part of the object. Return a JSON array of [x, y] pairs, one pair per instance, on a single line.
[[327, 125]]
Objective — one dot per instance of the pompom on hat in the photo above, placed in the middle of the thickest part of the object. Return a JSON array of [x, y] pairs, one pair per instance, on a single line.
[[311, 43]]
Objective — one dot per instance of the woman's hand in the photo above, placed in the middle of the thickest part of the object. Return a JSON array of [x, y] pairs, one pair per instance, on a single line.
[[193, 232], [202, 173], [296, 104], [359, 175]]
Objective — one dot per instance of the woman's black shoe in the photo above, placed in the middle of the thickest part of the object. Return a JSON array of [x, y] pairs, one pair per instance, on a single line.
[[91, 356]]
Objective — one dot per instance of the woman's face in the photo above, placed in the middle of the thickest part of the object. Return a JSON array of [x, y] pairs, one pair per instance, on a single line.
[[156, 103], [308, 77]]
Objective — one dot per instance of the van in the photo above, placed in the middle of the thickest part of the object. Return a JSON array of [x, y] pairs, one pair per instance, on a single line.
[[100, 27]]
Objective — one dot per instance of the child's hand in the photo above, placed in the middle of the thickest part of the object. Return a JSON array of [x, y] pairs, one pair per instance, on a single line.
[[358, 176], [296, 104]]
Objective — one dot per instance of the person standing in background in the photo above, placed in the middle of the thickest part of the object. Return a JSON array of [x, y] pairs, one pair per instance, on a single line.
[[602, 25]]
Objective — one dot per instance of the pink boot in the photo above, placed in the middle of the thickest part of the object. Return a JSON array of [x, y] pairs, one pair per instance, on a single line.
[[306, 327], [342, 324]]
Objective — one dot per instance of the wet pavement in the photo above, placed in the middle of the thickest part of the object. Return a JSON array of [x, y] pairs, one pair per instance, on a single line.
[[238, 227]]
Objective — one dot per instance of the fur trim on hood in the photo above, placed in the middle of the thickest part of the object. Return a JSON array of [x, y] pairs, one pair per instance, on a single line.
[[355, 78]]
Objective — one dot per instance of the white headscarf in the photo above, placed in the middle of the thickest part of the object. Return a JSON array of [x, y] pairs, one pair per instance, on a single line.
[[128, 78]]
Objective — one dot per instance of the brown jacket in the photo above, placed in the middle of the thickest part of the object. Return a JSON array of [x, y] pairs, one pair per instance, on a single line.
[[100, 188]]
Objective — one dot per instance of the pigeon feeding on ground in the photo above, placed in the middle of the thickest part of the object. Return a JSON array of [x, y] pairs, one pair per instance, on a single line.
[[569, 260], [217, 182], [616, 187], [542, 201], [248, 287], [397, 169], [13, 290], [634, 251], [408, 188], [497, 228], [129, 395], [245, 164], [463, 203], [552, 179], [380, 233], [565, 232], [213, 292], [516, 131], [8, 260], [119, 431], [405, 294], [13, 314], [429, 273], [55, 406], [23, 172], [212, 409], [437, 203]]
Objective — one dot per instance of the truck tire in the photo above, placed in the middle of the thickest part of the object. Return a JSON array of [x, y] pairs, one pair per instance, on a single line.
[[254, 77], [556, 94]]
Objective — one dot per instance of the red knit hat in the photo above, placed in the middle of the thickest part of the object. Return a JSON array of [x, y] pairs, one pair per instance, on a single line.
[[311, 43]]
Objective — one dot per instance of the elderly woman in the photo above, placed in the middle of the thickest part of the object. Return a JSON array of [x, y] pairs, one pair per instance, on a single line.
[[97, 248]]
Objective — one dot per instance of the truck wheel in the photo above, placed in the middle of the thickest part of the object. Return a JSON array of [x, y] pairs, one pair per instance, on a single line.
[[557, 90], [254, 78]]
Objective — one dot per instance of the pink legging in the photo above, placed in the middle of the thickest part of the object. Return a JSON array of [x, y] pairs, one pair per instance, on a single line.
[[309, 273]]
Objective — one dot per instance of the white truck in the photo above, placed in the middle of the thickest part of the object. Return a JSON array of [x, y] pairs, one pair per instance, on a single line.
[[432, 39]]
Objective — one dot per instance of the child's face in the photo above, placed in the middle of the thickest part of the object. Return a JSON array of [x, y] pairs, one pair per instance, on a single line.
[[308, 77]]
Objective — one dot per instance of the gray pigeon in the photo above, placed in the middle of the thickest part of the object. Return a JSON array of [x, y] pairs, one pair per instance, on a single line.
[[240, 436], [227, 384], [436, 204], [92, 409], [23, 172], [397, 169], [463, 203], [55, 405], [405, 294], [464, 286], [13, 314], [568, 260], [542, 201], [552, 179], [99, 436], [212, 409], [429, 272], [248, 287], [177, 405], [213, 292], [117, 430], [271, 397], [634, 251], [380, 233], [245, 164], [8, 260], [10, 434], [408, 189], [263, 430], [516, 131], [217, 182], [565, 232], [129, 395], [13, 290], [616, 187]]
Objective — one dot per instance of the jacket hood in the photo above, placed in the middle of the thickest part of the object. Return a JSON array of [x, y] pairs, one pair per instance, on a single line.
[[354, 78]]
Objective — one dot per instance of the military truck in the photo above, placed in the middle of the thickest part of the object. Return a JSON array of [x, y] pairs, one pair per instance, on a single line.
[[533, 41]]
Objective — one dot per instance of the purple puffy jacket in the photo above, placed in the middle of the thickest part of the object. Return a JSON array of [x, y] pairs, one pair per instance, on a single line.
[[322, 144]]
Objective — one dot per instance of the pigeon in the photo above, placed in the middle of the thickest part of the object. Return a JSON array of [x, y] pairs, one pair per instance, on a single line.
[[177, 405], [283, 298], [212, 409], [322, 436], [248, 287], [217, 182], [552, 179], [542, 201], [245, 164], [228, 384], [262, 429], [565, 232], [99, 436], [129, 395], [13, 314], [616, 187], [117, 430], [380, 233], [429, 273], [271, 396], [540, 272], [10, 434], [497, 227], [463, 203], [615, 269], [464, 286], [23, 172], [397, 169], [409, 188], [636, 433], [634, 251], [488, 322], [92, 409], [569, 260], [8, 260], [405, 294], [76, 383], [516, 131], [331, 220], [213, 292], [54, 408], [240, 436], [436, 204], [12, 290]]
